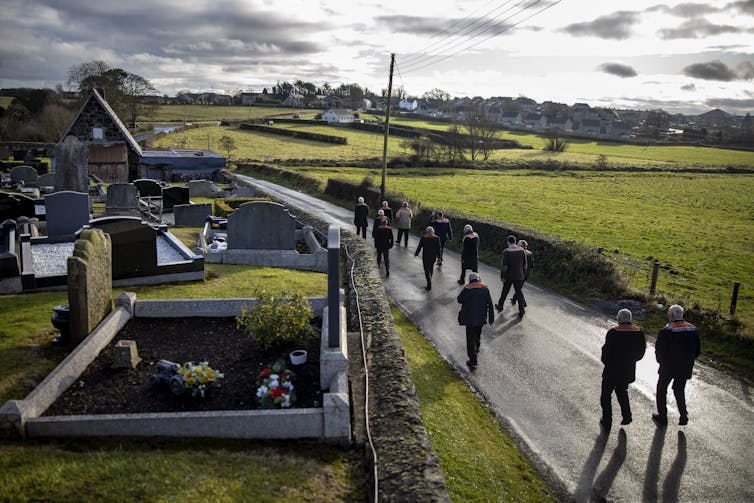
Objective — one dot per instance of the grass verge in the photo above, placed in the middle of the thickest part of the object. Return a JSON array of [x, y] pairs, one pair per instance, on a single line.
[[478, 458]]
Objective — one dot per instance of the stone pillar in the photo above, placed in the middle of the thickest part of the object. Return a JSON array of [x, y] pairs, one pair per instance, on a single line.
[[90, 282], [71, 165], [333, 286]]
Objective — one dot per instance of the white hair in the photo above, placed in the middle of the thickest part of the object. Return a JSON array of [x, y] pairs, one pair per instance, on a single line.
[[430, 230], [474, 277], [624, 316], [405, 204], [523, 244], [675, 312], [384, 203], [380, 212], [467, 228], [361, 199]]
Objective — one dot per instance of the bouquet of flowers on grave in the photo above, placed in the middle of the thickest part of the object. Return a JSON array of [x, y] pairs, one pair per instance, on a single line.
[[197, 378], [275, 387]]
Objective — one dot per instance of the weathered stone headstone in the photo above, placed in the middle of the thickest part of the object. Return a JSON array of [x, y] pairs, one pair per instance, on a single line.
[[9, 264], [66, 212], [125, 355], [172, 196], [134, 245], [191, 215], [71, 164], [47, 180], [122, 199], [148, 188], [13, 206], [261, 226], [25, 174], [90, 282], [204, 188]]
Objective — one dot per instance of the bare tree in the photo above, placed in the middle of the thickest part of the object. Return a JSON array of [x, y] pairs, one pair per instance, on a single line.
[[555, 142], [227, 143], [482, 132]]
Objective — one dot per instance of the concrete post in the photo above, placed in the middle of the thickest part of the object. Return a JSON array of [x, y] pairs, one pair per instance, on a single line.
[[333, 286], [734, 299]]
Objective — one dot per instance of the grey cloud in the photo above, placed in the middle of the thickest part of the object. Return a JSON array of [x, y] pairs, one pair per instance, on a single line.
[[612, 26], [712, 70], [686, 10], [618, 69], [730, 103], [689, 87], [744, 6], [697, 28], [430, 25], [745, 70]]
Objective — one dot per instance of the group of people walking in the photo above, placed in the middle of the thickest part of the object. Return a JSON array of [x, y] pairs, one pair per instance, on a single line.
[[677, 345]]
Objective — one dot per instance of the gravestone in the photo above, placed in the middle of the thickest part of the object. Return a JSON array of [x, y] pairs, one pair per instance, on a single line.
[[71, 163], [4, 153], [90, 282], [192, 215], [47, 180], [13, 206], [66, 212], [25, 174], [204, 188], [172, 196], [19, 154], [122, 199], [9, 263], [134, 245], [148, 188], [261, 226]]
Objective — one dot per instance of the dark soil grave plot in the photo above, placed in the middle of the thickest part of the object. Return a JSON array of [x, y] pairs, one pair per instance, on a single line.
[[104, 390]]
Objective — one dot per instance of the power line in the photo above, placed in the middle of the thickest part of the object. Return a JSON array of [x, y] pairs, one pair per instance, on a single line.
[[415, 68]]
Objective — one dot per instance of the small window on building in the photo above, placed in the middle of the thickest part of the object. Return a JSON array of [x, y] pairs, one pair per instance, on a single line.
[[98, 133]]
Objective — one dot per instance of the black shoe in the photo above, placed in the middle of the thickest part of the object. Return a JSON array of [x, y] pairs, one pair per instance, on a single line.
[[606, 423], [472, 366], [499, 307], [684, 420], [428, 288], [513, 302], [521, 313], [387, 274], [460, 282], [626, 420], [660, 420]]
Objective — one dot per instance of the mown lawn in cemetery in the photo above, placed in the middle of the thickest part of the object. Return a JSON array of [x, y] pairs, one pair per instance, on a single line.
[[478, 458], [115, 470]]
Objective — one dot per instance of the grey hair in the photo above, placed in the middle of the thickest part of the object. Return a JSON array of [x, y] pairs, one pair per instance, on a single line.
[[430, 229], [467, 228], [361, 199], [523, 244], [380, 212], [624, 315], [384, 203], [474, 277], [675, 312], [405, 204]]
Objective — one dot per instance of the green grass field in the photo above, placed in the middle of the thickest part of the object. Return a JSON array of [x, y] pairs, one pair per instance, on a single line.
[[207, 113]]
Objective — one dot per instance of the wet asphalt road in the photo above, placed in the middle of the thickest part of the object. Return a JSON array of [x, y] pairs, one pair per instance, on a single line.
[[541, 376]]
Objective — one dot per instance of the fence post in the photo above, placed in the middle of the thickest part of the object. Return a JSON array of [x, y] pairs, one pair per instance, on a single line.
[[734, 299], [655, 273]]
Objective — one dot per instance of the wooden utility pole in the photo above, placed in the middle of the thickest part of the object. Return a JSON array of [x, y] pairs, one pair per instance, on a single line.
[[387, 127]]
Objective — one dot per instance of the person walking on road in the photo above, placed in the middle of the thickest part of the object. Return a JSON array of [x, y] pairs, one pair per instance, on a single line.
[[529, 266], [469, 252], [443, 231], [388, 211], [624, 346], [429, 245], [383, 241], [403, 221], [512, 273], [377, 221], [476, 311], [676, 349], [360, 217]]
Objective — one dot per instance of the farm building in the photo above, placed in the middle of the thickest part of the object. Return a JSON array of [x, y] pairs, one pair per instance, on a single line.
[[179, 163]]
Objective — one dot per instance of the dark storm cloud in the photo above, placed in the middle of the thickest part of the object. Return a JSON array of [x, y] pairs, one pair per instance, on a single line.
[[618, 69], [687, 10], [712, 70], [697, 28], [744, 6], [688, 87], [612, 26]]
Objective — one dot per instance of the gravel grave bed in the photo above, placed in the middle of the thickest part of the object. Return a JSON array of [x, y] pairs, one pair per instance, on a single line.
[[104, 390]]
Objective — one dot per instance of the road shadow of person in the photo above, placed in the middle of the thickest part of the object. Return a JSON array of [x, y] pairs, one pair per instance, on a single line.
[[652, 474], [672, 484], [605, 480], [498, 330], [584, 485]]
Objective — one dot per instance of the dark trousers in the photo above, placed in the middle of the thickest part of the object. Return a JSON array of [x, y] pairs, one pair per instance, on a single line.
[[402, 233], [473, 340], [621, 393], [467, 265], [386, 254], [428, 269], [442, 249], [361, 229], [679, 390], [514, 299], [517, 284]]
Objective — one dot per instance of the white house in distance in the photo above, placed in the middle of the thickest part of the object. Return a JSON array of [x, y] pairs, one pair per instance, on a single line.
[[338, 115], [410, 105]]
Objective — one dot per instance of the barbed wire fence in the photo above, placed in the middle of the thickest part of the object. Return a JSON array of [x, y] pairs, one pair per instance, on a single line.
[[729, 298]]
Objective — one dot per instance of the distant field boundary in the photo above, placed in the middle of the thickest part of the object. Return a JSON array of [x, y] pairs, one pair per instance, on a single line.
[[304, 135]]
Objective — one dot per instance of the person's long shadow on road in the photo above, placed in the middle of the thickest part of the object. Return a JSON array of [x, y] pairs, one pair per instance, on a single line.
[[672, 485], [605, 480], [584, 486], [652, 474], [498, 330]]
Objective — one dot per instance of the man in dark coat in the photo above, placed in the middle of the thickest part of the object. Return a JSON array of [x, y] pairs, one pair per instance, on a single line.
[[429, 245], [383, 241], [513, 273], [387, 211], [676, 349], [529, 266], [624, 346], [476, 311], [469, 252], [361, 217], [443, 231]]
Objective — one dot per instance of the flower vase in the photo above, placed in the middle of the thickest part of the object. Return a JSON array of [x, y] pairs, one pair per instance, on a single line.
[[298, 357]]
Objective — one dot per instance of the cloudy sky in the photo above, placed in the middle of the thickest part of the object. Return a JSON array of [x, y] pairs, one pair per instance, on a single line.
[[681, 56]]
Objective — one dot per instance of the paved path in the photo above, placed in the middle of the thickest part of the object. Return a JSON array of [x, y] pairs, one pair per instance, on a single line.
[[542, 377]]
